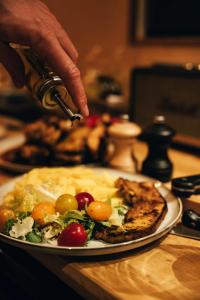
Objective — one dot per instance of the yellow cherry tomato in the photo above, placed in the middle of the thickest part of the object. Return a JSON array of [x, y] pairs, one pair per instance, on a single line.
[[65, 203], [5, 215], [99, 211], [41, 210]]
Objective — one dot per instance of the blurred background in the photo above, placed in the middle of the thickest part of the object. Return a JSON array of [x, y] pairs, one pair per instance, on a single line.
[[138, 59], [103, 32]]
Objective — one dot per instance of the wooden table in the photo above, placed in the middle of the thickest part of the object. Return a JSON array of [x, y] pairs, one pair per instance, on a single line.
[[167, 269]]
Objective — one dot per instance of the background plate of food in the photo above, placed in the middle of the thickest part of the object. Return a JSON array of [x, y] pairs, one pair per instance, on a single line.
[[53, 141], [81, 211]]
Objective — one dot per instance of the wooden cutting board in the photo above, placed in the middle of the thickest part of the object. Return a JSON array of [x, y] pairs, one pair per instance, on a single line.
[[166, 270]]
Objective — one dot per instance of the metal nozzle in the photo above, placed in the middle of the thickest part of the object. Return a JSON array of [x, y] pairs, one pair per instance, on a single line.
[[56, 96]]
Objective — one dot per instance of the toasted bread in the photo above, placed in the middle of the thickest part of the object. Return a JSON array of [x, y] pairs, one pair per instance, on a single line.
[[147, 210]]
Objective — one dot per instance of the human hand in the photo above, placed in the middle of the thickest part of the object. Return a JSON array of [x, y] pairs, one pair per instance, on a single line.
[[30, 22]]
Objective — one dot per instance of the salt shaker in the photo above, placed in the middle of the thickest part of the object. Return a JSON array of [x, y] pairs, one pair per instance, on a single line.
[[158, 137], [121, 138]]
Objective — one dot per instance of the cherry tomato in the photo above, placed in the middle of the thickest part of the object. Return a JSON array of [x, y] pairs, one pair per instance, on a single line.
[[65, 203], [99, 211], [91, 121], [5, 215], [83, 199], [41, 210], [73, 235]]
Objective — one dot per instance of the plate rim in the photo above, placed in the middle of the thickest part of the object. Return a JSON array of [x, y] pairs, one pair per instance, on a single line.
[[108, 248], [15, 167], [19, 140], [12, 143]]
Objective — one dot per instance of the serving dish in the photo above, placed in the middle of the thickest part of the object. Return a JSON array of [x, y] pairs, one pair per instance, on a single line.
[[94, 247], [53, 141], [9, 144]]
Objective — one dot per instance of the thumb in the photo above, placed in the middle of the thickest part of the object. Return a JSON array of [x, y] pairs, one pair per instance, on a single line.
[[13, 63]]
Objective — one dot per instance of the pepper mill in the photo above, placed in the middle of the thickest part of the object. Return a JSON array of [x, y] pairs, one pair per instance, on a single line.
[[158, 137], [121, 137]]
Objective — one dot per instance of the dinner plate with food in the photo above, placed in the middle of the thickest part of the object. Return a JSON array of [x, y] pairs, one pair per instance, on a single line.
[[53, 141], [82, 211]]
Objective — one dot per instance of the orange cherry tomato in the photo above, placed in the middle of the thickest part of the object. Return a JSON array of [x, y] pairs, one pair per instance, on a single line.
[[41, 210], [5, 215], [99, 211]]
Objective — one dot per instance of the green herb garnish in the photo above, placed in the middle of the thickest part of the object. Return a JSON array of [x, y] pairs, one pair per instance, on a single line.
[[8, 226]]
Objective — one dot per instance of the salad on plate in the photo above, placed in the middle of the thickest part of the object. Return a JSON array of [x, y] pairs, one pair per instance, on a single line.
[[71, 206]]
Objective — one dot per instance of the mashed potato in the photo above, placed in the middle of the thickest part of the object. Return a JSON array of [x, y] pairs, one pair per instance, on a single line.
[[49, 183]]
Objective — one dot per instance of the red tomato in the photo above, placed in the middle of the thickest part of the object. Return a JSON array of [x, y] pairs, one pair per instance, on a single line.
[[83, 199], [73, 235], [91, 121]]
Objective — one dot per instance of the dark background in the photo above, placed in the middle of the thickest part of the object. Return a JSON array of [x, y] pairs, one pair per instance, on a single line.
[[173, 18]]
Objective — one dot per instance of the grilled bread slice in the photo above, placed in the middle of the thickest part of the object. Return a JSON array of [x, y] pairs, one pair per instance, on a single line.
[[147, 210]]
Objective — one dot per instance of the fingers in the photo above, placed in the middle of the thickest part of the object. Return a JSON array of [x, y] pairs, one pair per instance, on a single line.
[[63, 38], [51, 50], [13, 63], [47, 37], [67, 44]]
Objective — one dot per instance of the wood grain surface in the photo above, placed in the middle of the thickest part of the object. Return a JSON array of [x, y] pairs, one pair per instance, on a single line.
[[167, 269]]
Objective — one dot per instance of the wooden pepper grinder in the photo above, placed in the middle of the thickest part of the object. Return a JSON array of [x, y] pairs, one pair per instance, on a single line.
[[121, 139], [158, 137]]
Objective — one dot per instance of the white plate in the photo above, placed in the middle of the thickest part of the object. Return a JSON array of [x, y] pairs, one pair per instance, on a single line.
[[15, 167], [97, 247], [8, 144]]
